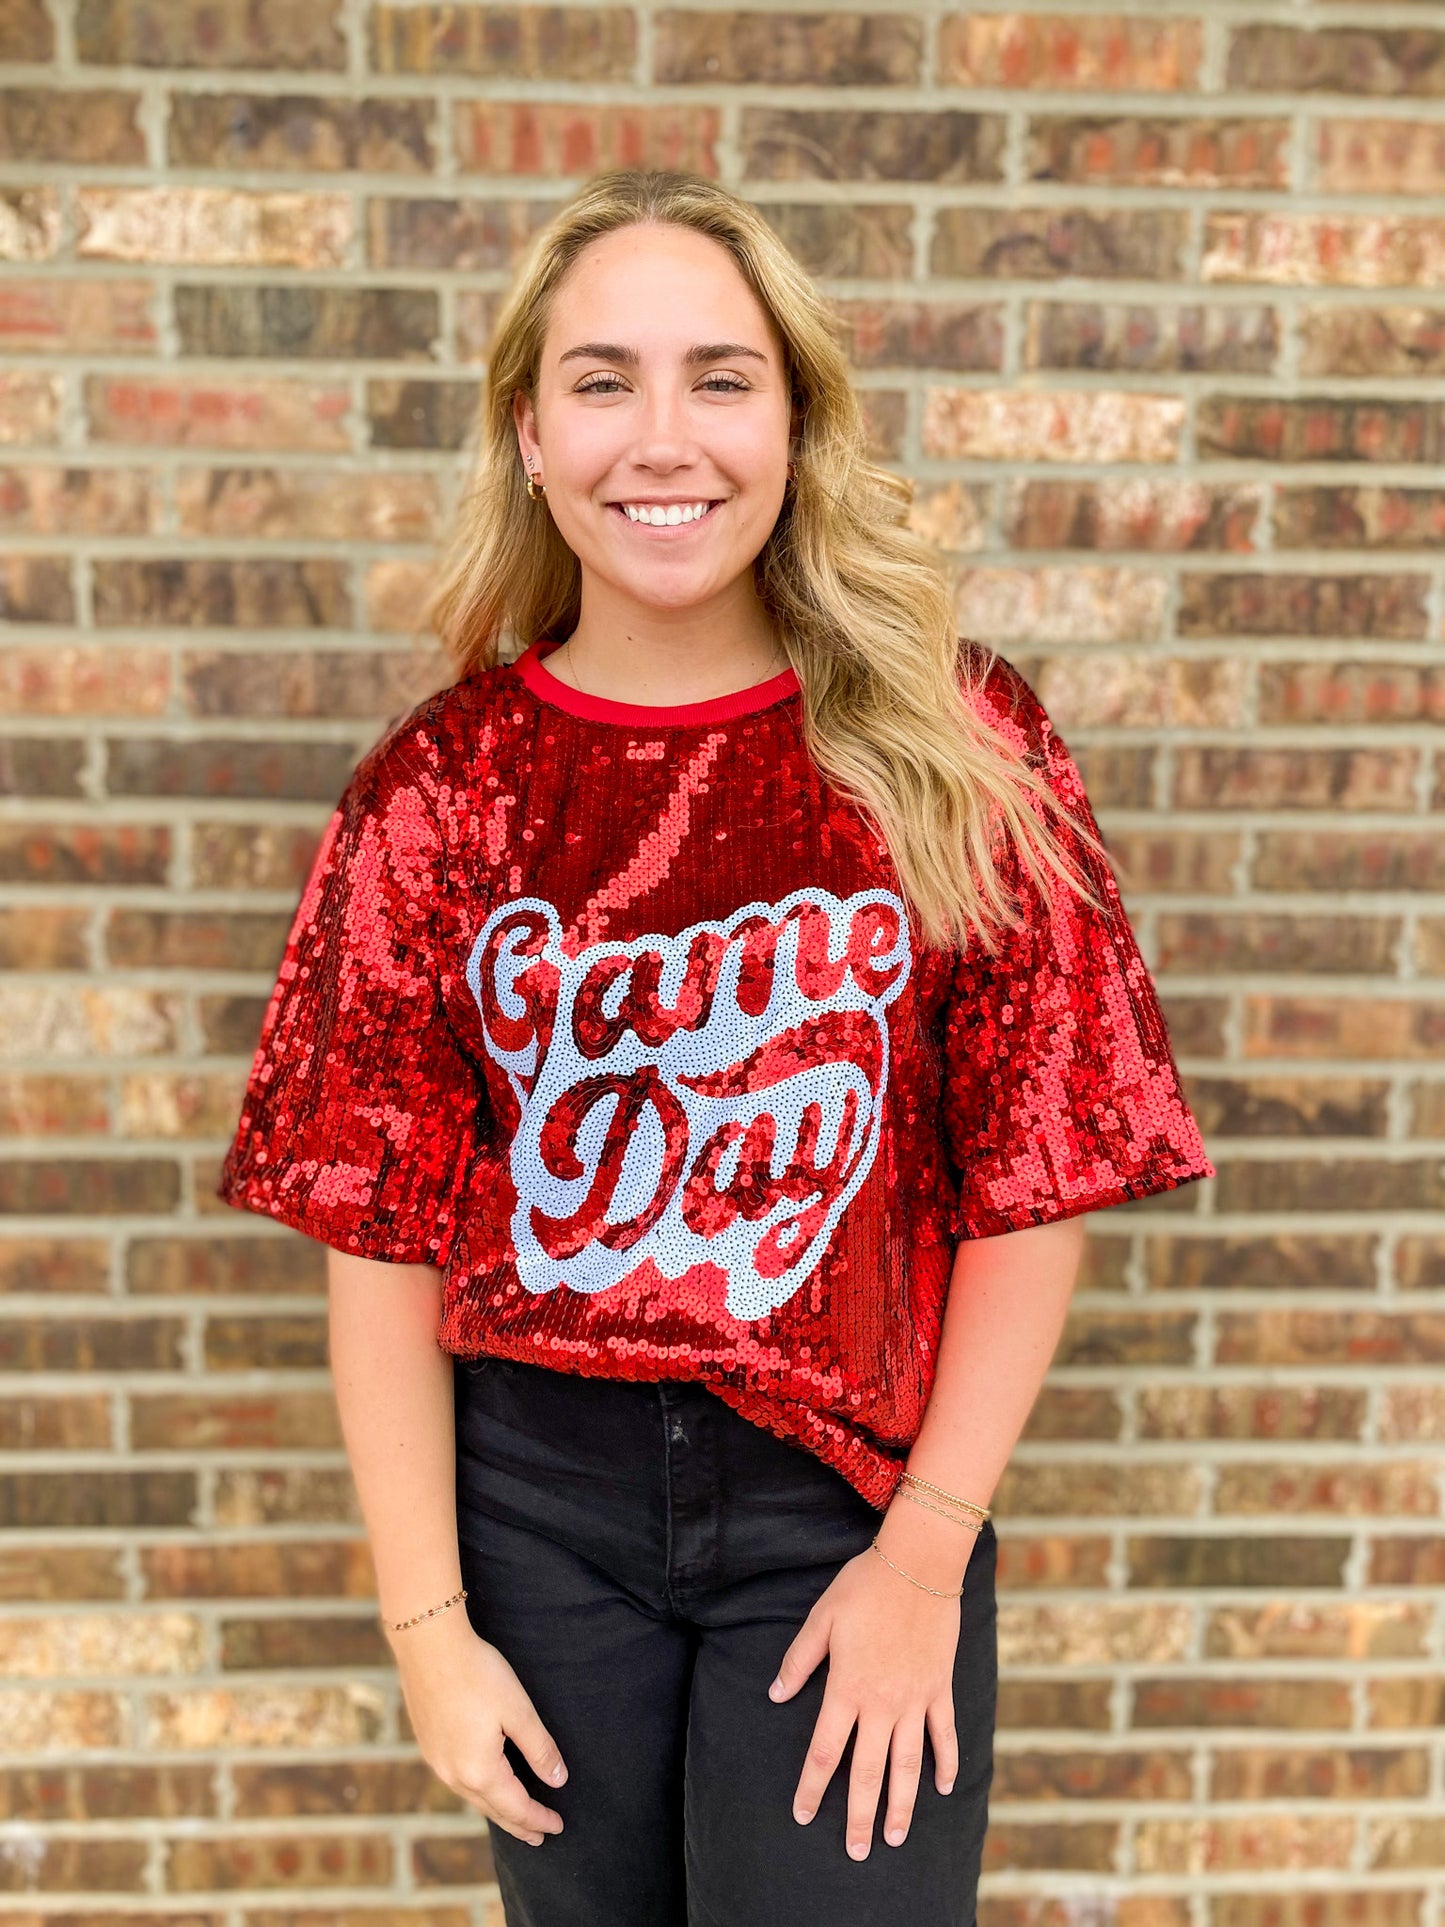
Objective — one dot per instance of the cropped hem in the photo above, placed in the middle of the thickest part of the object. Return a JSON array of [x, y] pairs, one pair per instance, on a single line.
[[968, 1225]]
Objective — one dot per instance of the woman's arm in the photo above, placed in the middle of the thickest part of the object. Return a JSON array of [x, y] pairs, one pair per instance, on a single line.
[[890, 1645], [394, 1393]]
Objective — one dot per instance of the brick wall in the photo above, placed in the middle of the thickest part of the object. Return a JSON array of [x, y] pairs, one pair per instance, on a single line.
[[1151, 305]]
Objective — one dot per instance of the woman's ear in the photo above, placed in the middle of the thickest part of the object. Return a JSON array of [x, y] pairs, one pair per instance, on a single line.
[[525, 418]]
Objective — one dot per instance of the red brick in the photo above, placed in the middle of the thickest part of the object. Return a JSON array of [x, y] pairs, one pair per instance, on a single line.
[[292, 682], [1236, 339], [1319, 1027], [197, 412], [1351, 692], [1330, 1184], [1123, 53], [549, 138], [323, 323], [1288, 1106], [306, 504], [78, 681], [462, 236], [771, 48], [36, 588], [420, 414], [1355, 517], [1320, 428], [1393, 606], [868, 144], [505, 43], [1280, 1262], [90, 127], [1060, 605], [76, 317], [1042, 244], [1158, 152], [1221, 1702], [1151, 513], [1094, 690], [248, 593], [1388, 61], [290, 132], [965, 336], [1348, 860], [1331, 1337], [1283, 779], [1172, 859], [26, 32], [192, 33], [1325, 250], [213, 227], [29, 405], [29, 223], [49, 500], [995, 424], [1380, 157], [1377, 342]]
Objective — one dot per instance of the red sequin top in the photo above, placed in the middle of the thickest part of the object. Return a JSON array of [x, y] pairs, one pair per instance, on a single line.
[[618, 1015]]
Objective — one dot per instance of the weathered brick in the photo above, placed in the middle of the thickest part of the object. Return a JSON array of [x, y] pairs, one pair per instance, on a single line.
[[966, 336], [1276, 1412], [505, 43], [29, 223], [201, 413], [1068, 1705], [1211, 1701], [90, 127], [49, 500], [1274, 1263], [462, 237], [1060, 605], [1345, 1490], [421, 414], [1317, 1773], [1280, 1106], [111, 853], [996, 424], [1348, 860], [29, 403], [377, 323], [284, 1860], [26, 31], [1406, 1701], [1415, 1560], [74, 318], [36, 588], [43, 937], [1042, 244], [791, 49], [1372, 341], [1117, 775], [1170, 859], [213, 227], [1127, 1338], [1053, 1846], [1313, 1906], [1380, 157], [183, 1267], [1416, 1339], [41, 765], [1151, 340], [1413, 1414], [315, 503], [195, 939], [1154, 151], [1338, 60], [103, 1793], [1255, 940], [1351, 692], [1123, 53], [350, 682], [1324, 428], [292, 131], [1355, 517], [1130, 1774], [868, 144], [870, 240], [367, 1786], [1325, 250], [552, 138], [1227, 1844], [247, 593], [1420, 1262], [1294, 779], [1239, 1559], [1154, 513], [1330, 1184], [1148, 691], [241, 766], [951, 515], [64, 1186], [1376, 1028], [189, 33], [1392, 606]]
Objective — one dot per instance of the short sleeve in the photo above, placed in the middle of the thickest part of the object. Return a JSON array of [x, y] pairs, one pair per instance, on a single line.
[[362, 1110], [1061, 1094]]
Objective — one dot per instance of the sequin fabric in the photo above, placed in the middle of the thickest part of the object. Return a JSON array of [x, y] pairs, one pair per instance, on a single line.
[[619, 1017]]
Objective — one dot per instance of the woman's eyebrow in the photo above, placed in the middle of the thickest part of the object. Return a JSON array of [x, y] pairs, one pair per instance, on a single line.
[[705, 351]]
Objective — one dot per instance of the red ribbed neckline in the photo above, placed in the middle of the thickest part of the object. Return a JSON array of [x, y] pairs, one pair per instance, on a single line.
[[551, 689]]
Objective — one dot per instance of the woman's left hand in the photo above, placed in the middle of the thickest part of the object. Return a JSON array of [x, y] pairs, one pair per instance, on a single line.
[[890, 1648]]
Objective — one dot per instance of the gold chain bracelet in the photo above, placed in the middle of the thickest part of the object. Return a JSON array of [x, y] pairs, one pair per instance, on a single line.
[[970, 1525], [908, 1575], [968, 1505], [400, 1625]]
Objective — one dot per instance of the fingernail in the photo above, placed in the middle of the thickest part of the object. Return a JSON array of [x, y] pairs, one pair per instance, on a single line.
[[894, 1836], [858, 1849], [947, 1787], [558, 1774], [802, 1815]]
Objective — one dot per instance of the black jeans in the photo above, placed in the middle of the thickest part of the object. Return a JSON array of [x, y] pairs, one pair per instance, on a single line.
[[643, 1557]]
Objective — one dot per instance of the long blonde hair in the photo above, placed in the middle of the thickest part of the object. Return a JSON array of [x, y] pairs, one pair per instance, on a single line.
[[860, 603]]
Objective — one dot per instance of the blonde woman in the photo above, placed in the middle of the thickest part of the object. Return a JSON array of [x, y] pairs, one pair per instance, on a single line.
[[699, 1042]]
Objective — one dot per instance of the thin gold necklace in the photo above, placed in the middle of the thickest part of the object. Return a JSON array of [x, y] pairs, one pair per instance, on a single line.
[[777, 656]]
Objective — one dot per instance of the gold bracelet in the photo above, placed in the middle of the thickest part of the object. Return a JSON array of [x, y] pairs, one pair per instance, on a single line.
[[400, 1625], [908, 1575], [971, 1525], [968, 1505]]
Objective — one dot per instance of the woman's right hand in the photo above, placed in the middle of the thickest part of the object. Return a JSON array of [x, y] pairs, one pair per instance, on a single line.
[[464, 1700]]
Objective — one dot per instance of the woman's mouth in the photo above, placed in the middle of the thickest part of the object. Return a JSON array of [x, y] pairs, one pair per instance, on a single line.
[[657, 518]]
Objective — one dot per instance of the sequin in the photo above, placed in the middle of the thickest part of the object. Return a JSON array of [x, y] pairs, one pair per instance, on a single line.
[[621, 1019]]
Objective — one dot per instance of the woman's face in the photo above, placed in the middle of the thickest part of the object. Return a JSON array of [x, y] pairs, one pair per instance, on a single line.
[[661, 385]]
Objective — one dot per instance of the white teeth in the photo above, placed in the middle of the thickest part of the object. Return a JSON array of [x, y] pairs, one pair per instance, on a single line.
[[666, 517]]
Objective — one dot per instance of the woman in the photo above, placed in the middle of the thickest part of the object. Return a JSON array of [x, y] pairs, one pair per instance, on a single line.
[[698, 1045]]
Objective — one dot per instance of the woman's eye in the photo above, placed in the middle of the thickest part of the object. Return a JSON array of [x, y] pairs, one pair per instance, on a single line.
[[599, 385]]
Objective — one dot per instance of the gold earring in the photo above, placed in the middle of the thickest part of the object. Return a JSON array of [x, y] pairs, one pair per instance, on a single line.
[[534, 487]]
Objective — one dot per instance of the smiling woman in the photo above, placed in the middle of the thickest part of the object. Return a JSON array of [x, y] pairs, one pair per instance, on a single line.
[[700, 1041]]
